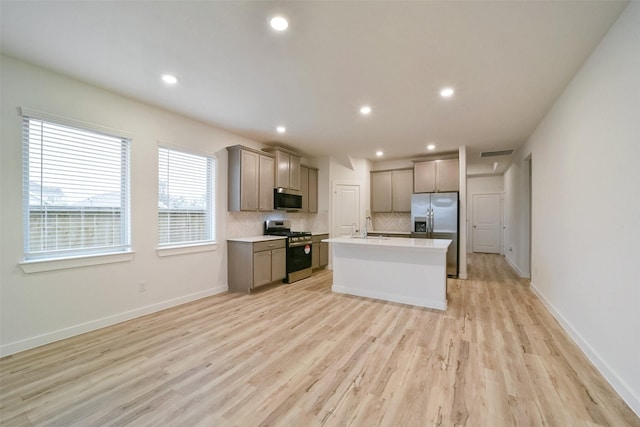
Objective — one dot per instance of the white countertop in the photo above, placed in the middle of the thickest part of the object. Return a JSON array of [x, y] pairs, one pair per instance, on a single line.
[[394, 242], [253, 239], [318, 233], [389, 232]]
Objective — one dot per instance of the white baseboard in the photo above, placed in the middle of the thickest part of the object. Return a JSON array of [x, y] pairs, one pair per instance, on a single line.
[[516, 268], [619, 385], [71, 331]]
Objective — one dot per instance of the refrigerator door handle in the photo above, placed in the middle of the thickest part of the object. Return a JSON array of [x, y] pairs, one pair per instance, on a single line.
[[430, 221]]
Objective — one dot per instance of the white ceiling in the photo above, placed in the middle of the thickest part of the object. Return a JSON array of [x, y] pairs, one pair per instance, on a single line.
[[507, 60]]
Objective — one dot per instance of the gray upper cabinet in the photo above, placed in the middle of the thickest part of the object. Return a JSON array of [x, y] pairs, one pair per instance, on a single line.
[[448, 175], [304, 187], [402, 189], [436, 176], [266, 183], [391, 190], [313, 190], [424, 177], [381, 200], [309, 188], [251, 179], [288, 168], [294, 172]]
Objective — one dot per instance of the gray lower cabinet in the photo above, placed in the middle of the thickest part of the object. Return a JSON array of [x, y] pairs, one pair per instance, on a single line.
[[319, 251], [254, 264]]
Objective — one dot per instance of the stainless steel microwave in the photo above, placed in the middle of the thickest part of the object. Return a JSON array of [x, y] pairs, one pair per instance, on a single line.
[[286, 199]]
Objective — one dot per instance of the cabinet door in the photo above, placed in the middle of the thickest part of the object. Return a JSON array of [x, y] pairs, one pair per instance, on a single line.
[[324, 254], [304, 187], [315, 254], [261, 268], [313, 190], [448, 175], [248, 181], [282, 174], [266, 183], [278, 264], [402, 189], [294, 172], [381, 192], [424, 177]]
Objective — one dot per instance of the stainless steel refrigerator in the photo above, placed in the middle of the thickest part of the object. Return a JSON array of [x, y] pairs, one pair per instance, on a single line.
[[435, 216]]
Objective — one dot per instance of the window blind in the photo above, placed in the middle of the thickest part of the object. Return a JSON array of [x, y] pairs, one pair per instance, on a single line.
[[75, 190], [186, 194]]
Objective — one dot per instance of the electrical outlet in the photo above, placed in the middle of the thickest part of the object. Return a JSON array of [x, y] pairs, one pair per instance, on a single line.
[[142, 286]]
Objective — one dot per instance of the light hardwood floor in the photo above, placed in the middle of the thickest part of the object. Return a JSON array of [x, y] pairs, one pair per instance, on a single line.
[[299, 355]]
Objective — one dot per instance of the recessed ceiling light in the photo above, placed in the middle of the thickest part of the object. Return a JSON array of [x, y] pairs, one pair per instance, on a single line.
[[379, 153], [281, 129], [365, 110], [447, 92], [431, 147], [279, 23], [169, 79]]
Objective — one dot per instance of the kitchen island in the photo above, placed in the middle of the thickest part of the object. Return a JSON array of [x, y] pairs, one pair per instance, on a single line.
[[403, 270]]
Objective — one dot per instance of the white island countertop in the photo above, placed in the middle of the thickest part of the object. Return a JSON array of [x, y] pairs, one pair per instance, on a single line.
[[395, 242]]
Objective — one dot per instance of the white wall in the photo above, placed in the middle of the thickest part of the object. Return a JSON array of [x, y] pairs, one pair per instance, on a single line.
[[43, 307], [517, 217], [392, 164], [484, 184], [586, 207]]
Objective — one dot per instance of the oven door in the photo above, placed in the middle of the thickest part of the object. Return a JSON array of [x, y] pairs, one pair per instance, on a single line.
[[298, 256]]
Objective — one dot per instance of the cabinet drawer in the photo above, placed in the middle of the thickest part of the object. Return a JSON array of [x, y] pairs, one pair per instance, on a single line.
[[318, 237], [268, 245]]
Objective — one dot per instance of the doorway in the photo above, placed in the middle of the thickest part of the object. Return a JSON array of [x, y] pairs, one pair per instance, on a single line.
[[528, 164], [346, 209], [486, 220]]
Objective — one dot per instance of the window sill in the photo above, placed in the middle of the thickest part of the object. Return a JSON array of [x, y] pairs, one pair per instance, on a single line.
[[187, 249], [42, 265]]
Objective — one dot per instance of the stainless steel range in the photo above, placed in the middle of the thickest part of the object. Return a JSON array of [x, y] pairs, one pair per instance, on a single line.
[[298, 248]]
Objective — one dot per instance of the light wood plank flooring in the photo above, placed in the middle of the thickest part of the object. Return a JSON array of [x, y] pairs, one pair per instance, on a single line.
[[299, 355]]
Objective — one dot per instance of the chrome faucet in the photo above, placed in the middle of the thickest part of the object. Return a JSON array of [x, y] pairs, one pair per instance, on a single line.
[[366, 224]]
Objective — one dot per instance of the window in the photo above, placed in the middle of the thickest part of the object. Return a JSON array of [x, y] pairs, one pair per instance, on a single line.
[[186, 213], [75, 190]]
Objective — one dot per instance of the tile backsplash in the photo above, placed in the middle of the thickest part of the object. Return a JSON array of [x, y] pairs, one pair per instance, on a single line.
[[392, 221], [245, 224]]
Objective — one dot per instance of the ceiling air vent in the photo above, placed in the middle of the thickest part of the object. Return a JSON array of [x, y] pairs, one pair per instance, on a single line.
[[496, 153]]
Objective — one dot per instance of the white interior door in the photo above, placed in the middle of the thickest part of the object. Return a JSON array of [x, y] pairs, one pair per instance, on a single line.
[[486, 221], [346, 209]]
